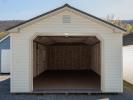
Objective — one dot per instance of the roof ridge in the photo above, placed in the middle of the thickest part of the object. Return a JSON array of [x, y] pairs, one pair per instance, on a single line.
[[66, 4]]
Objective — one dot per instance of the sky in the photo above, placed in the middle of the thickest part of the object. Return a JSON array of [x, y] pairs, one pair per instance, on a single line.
[[26, 9]]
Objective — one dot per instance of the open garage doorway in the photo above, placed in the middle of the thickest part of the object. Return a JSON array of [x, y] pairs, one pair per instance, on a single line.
[[66, 64]]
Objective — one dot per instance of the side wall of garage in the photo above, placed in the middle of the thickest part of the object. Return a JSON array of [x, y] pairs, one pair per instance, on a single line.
[[128, 63], [39, 59], [96, 58], [22, 52]]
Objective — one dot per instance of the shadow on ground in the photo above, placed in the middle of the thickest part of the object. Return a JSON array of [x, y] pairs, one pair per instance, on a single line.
[[5, 94]]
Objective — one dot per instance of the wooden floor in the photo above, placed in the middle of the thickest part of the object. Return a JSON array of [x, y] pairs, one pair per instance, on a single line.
[[67, 82]]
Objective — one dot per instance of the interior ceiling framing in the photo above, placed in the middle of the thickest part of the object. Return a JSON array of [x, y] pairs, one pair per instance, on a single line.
[[53, 40]]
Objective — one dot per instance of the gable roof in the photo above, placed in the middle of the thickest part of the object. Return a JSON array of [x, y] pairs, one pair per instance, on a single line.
[[67, 5], [8, 23]]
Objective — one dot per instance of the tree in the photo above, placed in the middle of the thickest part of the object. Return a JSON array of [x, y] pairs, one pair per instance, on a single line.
[[129, 28], [2, 34], [116, 21]]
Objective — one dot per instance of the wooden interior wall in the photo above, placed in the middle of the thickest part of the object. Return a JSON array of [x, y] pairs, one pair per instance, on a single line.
[[39, 58], [96, 58], [69, 57], [34, 59], [66, 58]]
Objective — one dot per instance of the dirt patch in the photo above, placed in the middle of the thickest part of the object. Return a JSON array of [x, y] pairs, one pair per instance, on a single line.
[[128, 87]]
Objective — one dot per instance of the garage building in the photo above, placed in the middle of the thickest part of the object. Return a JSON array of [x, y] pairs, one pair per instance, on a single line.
[[66, 51]]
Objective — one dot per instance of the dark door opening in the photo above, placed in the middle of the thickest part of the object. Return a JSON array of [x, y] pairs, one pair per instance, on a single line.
[[66, 64]]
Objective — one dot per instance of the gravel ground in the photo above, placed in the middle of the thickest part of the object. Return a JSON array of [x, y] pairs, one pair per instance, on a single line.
[[5, 94]]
